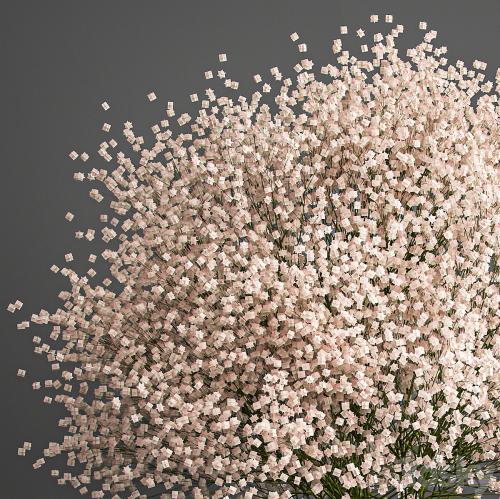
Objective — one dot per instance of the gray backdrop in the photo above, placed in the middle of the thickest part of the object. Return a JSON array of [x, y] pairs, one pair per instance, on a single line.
[[60, 60]]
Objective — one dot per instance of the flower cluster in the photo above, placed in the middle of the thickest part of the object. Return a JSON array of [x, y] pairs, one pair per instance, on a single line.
[[308, 291]]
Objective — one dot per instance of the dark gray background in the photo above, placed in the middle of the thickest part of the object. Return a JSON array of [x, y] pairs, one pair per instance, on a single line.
[[60, 60]]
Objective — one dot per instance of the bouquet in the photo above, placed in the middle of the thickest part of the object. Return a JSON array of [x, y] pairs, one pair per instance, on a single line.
[[304, 299]]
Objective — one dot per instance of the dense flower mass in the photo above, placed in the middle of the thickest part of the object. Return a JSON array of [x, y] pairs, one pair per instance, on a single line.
[[308, 292]]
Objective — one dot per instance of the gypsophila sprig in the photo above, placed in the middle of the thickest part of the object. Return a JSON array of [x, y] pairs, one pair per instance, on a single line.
[[306, 299]]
